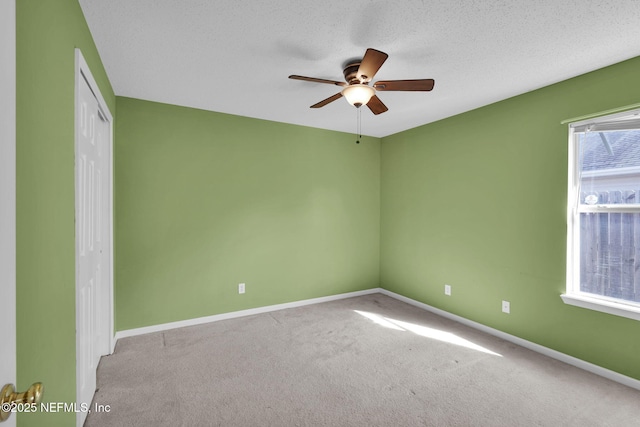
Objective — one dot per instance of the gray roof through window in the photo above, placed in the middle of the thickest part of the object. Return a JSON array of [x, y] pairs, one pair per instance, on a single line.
[[620, 149]]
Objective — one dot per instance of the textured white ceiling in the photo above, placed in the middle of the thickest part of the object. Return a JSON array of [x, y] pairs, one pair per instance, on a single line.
[[235, 56]]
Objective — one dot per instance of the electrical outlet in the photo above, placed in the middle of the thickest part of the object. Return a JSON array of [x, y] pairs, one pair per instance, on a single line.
[[506, 307], [241, 288], [447, 290]]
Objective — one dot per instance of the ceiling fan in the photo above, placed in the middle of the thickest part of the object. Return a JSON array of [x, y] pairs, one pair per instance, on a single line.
[[358, 74]]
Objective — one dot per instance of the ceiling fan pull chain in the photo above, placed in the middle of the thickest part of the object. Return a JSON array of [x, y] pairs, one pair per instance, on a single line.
[[359, 125]]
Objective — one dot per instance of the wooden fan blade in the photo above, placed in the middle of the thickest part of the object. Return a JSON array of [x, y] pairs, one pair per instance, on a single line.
[[376, 106], [424, 85], [371, 63], [327, 101], [316, 80]]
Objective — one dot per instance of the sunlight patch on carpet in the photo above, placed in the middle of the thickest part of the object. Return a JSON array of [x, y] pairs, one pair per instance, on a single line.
[[424, 331]]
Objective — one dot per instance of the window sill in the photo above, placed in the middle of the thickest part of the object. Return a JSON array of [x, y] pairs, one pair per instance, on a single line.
[[604, 306]]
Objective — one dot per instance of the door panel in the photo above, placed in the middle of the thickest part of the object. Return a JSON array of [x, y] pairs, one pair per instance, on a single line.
[[93, 309], [88, 257]]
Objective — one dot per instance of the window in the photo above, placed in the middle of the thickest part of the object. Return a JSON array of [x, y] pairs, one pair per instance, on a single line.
[[603, 245]]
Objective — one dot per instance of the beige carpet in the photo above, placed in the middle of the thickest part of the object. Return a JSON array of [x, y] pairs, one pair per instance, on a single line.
[[365, 361]]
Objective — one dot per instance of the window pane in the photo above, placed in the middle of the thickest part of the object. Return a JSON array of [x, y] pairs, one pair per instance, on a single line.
[[610, 167], [610, 255]]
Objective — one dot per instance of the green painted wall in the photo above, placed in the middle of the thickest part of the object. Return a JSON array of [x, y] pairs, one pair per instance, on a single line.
[[478, 201], [47, 34], [205, 201]]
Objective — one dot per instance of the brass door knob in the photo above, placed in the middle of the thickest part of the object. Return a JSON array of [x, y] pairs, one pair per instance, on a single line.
[[9, 398]]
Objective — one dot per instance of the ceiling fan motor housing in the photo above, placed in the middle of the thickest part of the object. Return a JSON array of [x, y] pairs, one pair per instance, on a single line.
[[351, 74]]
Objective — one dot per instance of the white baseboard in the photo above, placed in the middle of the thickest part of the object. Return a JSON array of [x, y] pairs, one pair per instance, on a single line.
[[235, 314], [570, 360]]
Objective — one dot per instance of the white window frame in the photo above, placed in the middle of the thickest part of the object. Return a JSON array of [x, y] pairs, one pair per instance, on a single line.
[[573, 295]]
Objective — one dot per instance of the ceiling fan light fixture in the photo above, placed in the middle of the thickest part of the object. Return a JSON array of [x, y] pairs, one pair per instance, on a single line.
[[358, 94]]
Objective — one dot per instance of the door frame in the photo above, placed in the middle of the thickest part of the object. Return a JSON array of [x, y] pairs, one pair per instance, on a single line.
[[82, 74], [8, 193]]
